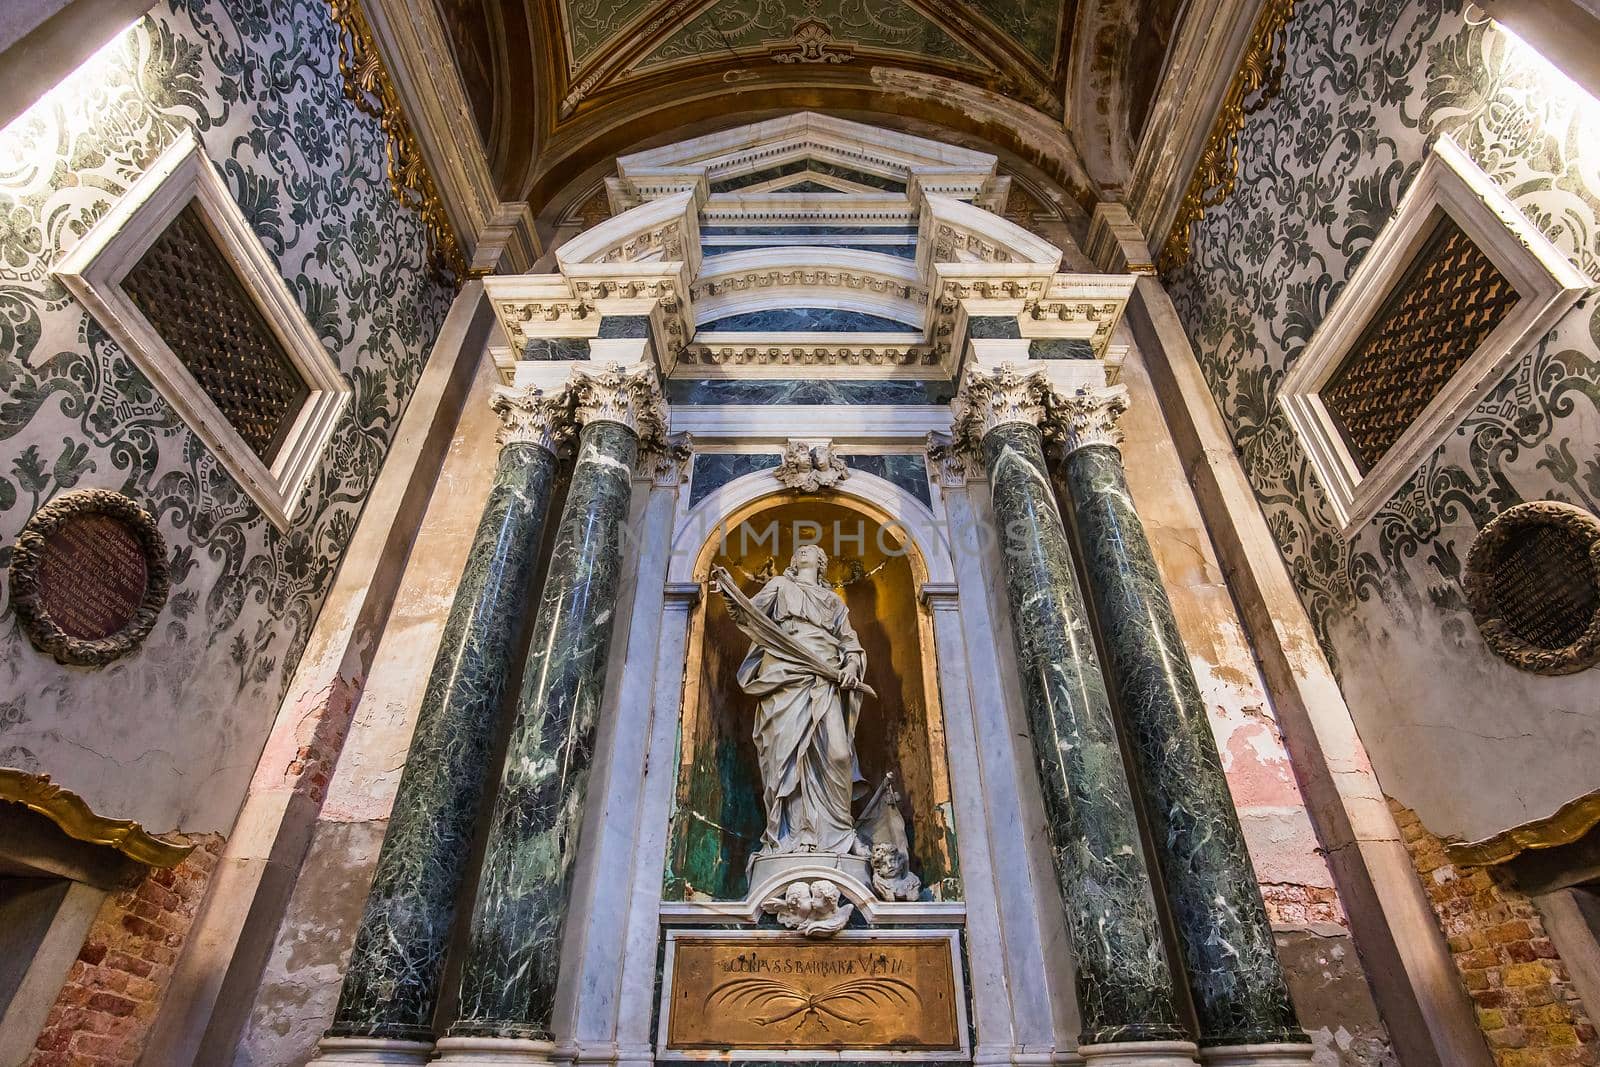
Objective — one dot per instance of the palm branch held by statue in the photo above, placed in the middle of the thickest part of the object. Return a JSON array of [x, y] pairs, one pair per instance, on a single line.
[[773, 636]]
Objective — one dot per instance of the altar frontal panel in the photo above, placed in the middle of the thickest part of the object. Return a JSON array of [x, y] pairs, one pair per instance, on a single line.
[[772, 992]]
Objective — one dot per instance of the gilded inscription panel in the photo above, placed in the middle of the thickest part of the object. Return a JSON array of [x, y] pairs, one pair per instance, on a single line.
[[884, 993]]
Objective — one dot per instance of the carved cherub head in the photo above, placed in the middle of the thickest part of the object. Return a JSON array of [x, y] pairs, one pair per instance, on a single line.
[[888, 862]]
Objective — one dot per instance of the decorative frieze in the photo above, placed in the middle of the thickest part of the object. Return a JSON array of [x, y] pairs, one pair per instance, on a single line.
[[520, 314], [818, 355], [1104, 314], [949, 242], [667, 239], [810, 278]]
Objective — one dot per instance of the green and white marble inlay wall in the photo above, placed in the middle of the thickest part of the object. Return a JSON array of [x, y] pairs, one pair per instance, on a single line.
[[170, 734], [1322, 169]]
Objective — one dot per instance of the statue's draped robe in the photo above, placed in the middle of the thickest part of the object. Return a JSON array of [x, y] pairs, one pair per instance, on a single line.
[[805, 724]]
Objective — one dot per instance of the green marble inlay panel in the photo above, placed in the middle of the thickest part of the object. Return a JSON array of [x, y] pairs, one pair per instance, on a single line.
[[883, 25]]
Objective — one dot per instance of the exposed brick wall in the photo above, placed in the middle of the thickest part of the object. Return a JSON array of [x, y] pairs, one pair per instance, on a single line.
[[1527, 1006], [1296, 906], [112, 992]]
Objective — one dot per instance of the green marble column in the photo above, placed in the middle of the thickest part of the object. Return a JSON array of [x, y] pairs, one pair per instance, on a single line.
[[1125, 988], [508, 981], [391, 985], [1239, 993]]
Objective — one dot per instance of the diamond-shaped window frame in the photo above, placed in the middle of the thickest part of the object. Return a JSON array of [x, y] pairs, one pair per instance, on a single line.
[[93, 271], [1547, 283]]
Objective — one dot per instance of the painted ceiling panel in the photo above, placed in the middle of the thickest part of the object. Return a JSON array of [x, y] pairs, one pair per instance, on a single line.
[[1034, 24], [593, 23], [876, 25]]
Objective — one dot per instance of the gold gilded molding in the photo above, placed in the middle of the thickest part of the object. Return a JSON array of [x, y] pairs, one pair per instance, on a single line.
[[1571, 821], [67, 810], [368, 85], [1254, 83]]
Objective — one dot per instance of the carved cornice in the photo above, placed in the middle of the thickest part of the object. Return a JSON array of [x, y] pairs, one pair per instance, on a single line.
[[530, 416], [1571, 821], [1089, 417], [1254, 83], [809, 277], [950, 241], [667, 239], [743, 355], [630, 395], [993, 398], [368, 85], [1103, 313], [518, 314], [75, 818]]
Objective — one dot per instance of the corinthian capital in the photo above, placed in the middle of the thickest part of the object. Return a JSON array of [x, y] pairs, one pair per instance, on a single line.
[[529, 416], [1089, 417], [991, 398], [630, 395]]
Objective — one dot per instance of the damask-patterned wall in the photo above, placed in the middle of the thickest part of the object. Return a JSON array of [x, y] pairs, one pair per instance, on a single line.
[[170, 734], [1467, 741]]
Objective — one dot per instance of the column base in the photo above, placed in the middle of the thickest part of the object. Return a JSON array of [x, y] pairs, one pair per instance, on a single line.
[[502, 1052], [635, 1055], [344, 1051], [1140, 1054], [1273, 1054]]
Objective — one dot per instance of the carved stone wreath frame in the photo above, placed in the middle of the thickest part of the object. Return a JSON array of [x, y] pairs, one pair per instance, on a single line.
[[1485, 557], [28, 557]]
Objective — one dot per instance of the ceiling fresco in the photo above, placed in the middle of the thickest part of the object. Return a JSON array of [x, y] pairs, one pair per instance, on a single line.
[[559, 86], [841, 28]]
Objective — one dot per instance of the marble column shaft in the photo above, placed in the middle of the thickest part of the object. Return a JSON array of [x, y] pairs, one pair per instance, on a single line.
[[1238, 988], [1125, 987], [508, 982], [391, 984]]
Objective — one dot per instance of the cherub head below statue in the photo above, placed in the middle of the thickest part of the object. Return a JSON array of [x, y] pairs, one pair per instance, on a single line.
[[890, 874]]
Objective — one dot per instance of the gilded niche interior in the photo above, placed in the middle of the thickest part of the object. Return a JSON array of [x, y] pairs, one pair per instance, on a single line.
[[717, 817]]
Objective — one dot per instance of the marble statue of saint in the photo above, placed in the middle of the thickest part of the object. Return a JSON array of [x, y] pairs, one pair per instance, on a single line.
[[805, 669]]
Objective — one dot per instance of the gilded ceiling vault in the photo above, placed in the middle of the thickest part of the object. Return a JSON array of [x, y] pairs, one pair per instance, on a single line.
[[558, 86]]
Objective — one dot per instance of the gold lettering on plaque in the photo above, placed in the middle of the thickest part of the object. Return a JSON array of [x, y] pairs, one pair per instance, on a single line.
[[884, 993]]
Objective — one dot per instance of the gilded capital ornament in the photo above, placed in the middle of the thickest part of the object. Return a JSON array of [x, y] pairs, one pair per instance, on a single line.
[[529, 416], [993, 398], [1089, 417], [630, 395]]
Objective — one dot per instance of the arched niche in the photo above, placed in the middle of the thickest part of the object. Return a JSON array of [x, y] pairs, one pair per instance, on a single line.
[[877, 568]]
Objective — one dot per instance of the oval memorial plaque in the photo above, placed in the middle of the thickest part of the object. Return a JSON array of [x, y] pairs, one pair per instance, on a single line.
[[1533, 581], [89, 577]]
